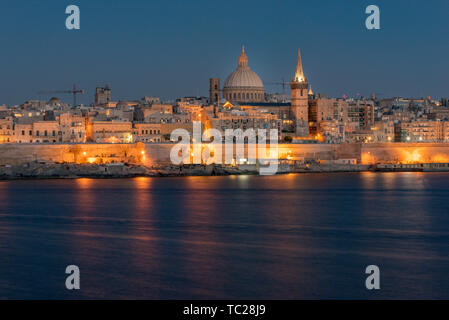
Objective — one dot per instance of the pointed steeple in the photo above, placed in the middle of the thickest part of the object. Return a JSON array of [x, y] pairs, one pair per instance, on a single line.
[[299, 74], [310, 90]]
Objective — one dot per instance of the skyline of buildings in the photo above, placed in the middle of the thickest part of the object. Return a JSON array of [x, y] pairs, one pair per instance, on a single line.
[[241, 103], [277, 90]]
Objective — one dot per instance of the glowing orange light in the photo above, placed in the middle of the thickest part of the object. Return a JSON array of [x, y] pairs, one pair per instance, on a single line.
[[412, 157], [319, 137], [112, 140]]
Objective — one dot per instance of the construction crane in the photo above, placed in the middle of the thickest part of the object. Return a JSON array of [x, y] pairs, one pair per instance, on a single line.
[[284, 84], [74, 91]]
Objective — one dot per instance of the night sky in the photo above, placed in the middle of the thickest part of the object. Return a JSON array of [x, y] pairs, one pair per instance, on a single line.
[[171, 48]]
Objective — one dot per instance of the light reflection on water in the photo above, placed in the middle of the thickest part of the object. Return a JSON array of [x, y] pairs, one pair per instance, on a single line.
[[287, 236]]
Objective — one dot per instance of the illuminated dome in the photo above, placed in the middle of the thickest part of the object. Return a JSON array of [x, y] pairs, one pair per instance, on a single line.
[[243, 85]]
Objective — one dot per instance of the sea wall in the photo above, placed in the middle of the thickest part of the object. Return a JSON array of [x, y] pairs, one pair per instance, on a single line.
[[159, 153], [404, 152], [147, 154], [73, 153]]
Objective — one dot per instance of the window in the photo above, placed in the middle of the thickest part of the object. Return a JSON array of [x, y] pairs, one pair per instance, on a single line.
[[45, 133], [37, 134], [23, 132]]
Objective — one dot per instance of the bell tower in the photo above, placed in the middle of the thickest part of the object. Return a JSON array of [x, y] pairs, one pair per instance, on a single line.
[[300, 100], [214, 90]]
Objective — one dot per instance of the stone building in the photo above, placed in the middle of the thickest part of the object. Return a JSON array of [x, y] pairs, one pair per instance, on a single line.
[[147, 132], [361, 113], [383, 131], [327, 118], [66, 127], [249, 119], [420, 131], [280, 110], [102, 95], [72, 127], [6, 130], [214, 90], [38, 132], [111, 131]]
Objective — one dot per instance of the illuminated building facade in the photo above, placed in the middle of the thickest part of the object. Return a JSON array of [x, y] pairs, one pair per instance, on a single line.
[[300, 100], [67, 127], [421, 131], [6, 130], [147, 132], [112, 131]]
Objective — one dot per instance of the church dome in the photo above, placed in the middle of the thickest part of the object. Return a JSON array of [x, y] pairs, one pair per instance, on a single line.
[[243, 78], [54, 101], [243, 84]]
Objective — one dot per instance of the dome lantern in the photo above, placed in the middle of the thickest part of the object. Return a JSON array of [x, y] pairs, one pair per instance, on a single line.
[[243, 59]]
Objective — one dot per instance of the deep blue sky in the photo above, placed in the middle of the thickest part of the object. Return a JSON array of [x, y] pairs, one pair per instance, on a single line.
[[171, 48]]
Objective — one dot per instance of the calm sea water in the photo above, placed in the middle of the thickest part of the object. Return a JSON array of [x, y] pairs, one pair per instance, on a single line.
[[251, 237]]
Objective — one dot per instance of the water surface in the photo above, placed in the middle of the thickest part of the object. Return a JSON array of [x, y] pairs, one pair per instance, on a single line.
[[250, 237]]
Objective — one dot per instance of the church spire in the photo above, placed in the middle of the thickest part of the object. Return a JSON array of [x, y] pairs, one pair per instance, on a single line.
[[299, 74]]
